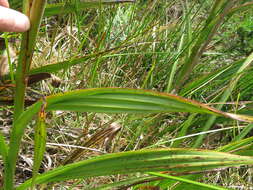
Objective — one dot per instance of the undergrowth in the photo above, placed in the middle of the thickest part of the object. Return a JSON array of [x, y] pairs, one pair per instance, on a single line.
[[175, 47]]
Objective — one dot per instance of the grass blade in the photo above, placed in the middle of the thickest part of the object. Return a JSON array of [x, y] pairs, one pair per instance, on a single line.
[[3, 148], [195, 183], [119, 100], [15, 140], [52, 68], [109, 100], [213, 22], [66, 8], [175, 161], [39, 143], [35, 13], [127, 183], [243, 133], [224, 97]]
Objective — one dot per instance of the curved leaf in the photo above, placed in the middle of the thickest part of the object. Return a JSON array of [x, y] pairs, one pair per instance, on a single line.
[[174, 161], [120, 100], [111, 100]]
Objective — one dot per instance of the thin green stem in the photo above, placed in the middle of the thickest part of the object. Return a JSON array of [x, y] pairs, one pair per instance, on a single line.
[[187, 181], [9, 57]]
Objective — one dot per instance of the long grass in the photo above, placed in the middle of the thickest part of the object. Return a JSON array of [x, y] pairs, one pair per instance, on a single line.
[[199, 51]]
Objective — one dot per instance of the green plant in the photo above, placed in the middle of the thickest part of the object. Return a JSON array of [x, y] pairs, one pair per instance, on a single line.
[[174, 161]]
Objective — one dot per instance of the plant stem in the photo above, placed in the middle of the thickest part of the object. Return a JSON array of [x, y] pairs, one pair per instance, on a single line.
[[34, 9]]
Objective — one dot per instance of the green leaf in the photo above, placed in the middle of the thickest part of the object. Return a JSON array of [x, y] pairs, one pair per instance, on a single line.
[[244, 132], [213, 22], [174, 161], [225, 96], [39, 143], [51, 68], [70, 7], [15, 139], [111, 100], [3, 148], [120, 100], [195, 183], [236, 145], [126, 183], [222, 74]]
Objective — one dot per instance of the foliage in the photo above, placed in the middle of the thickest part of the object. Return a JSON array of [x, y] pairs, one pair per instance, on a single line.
[[134, 46]]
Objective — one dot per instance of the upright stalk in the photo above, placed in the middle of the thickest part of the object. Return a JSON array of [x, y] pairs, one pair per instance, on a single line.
[[34, 9], [21, 68]]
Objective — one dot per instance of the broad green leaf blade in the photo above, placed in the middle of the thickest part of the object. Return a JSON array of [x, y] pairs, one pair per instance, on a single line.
[[174, 161], [39, 143], [70, 7], [119, 100], [234, 147], [111, 100]]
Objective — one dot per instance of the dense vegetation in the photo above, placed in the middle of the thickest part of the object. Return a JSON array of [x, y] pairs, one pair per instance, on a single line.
[[165, 57]]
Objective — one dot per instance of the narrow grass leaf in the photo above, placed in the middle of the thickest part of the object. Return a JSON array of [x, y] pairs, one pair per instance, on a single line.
[[212, 24], [224, 98], [222, 74], [233, 146], [195, 183], [70, 7], [183, 132], [15, 140], [3, 147], [52, 68], [127, 183], [244, 132], [39, 143]]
